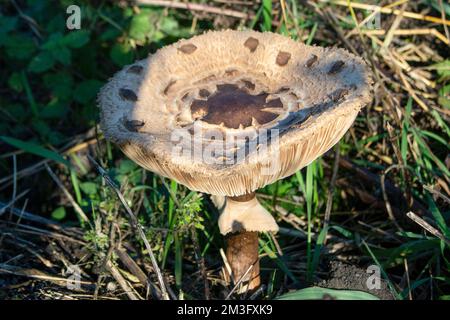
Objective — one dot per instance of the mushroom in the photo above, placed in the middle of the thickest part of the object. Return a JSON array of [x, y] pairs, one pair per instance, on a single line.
[[226, 113]]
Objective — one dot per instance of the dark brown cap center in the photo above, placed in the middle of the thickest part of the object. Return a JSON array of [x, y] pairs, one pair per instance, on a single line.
[[234, 106]]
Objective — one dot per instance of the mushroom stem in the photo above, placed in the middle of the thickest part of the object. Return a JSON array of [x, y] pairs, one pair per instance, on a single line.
[[241, 219], [242, 255], [243, 213]]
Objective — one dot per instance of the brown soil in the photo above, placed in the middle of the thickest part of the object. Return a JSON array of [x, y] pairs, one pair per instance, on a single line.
[[351, 277]]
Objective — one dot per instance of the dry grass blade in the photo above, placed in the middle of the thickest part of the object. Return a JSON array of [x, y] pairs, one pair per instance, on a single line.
[[201, 263], [406, 14], [436, 192], [121, 281], [195, 7], [409, 32], [414, 217], [75, 205], [136, 225], [35, 274], [4, 207], [227, 271], [331, 190], [385, 197], [236, 286]]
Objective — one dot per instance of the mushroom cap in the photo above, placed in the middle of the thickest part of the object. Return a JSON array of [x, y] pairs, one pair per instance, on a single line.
[[229, 112]]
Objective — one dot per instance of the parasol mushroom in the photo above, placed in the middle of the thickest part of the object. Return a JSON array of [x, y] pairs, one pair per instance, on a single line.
[[227, 113]]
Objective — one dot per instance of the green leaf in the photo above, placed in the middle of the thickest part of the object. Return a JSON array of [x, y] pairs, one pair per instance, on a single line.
[[342, 231], [42, 127], [317, 293], [437, 216], [60, 84], [141, 26], [89, 188], [42, 62], [33, 148], [15, 82], [76, 39], [267, 14], [7, 23], [59, 213], [170, 26], [87, 90], [55, 109], [54, 42], [57, 23], [121, 54], [442, 69], [19, 46], [63, 55], [444, 102], [109, 34]]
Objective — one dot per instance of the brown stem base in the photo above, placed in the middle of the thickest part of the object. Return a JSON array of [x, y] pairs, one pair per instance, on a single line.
[[242, 253]]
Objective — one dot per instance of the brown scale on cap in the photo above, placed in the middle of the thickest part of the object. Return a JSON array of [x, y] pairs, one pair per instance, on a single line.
[[233, 107], [336, 67], [251, 43], [204, 93], [135, 69], [231, 72], [133, 125], [339, 94], [309, 63], [187, 48], [167, 88], [185, 97], [127, 94], [283, 89], [207, 79], [283, 58], [248, 84]]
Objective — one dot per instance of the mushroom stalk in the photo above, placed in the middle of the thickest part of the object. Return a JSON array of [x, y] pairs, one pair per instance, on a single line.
[[241, 219], [243, 213], [242, 255]]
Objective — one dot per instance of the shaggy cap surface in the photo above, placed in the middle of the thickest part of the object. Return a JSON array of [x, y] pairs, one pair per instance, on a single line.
[[229, 112]]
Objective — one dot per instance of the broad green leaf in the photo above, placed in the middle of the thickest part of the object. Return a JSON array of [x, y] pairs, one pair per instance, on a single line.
[[55, 109], [42, 62], [318, 293], [121, 54], [63, 55], [7, 23], [141, 26], [60, 84], [19, 46], [54, 42], [59, 213], [89, 188], [87, 90], [15, 82], [76, 39]]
